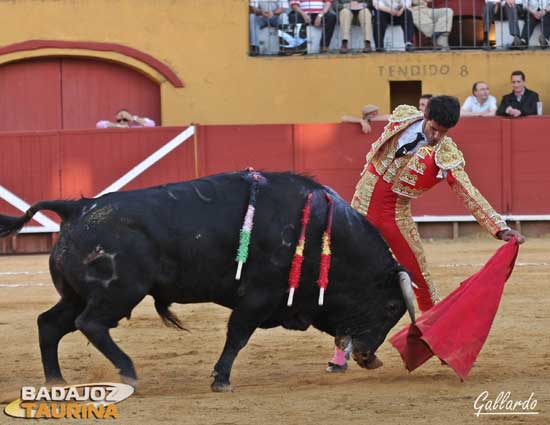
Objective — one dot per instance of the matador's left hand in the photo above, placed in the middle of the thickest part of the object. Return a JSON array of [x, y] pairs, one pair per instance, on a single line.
[[506, 235]]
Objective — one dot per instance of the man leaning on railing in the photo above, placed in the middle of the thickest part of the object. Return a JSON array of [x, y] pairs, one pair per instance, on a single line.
[[481, 103], [125, 119]]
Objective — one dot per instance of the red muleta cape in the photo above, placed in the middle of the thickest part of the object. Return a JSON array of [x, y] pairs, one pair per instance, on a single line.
[[456, 328]]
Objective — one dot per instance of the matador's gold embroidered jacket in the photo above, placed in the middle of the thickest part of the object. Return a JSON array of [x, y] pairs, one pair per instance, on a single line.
[[412, 175]]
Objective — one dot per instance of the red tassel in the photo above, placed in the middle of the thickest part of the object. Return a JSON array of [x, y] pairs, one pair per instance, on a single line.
[[323, 272], [295, 271], [296, 267]]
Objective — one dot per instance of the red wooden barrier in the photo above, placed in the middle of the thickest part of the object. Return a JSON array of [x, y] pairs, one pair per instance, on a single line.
[[29, 167], [229, 148], [93, 159], [506, 160], [530, 179]]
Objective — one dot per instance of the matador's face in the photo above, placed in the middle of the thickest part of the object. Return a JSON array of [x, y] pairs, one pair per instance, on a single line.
[[434, 132]]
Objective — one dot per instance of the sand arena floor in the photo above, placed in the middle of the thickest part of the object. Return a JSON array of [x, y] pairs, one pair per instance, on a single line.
[[279, 377]]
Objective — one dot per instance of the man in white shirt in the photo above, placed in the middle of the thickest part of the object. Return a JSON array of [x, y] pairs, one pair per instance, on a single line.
[[481, 104]]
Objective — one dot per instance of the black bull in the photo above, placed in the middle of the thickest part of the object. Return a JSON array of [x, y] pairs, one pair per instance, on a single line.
[[178, 243]]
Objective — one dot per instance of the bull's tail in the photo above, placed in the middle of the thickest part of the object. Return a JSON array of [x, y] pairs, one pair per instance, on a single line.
[[10, 225], [168, 317]]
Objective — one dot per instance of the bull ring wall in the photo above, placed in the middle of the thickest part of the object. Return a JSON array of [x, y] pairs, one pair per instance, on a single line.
[[196, 52], [205, 45], [506, 160]]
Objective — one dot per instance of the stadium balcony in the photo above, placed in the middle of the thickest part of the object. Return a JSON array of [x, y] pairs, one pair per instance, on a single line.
[[467, 33]]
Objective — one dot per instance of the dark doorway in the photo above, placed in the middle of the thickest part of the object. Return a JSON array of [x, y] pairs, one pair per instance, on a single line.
[[405, 93]]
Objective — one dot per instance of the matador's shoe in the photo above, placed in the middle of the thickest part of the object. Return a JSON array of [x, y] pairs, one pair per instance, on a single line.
[[336, 368]]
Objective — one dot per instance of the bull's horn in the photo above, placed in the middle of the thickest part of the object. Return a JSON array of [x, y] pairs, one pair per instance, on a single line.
[[406, 288]]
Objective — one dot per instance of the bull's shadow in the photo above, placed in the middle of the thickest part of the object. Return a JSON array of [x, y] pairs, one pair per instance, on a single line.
[[178, 243]]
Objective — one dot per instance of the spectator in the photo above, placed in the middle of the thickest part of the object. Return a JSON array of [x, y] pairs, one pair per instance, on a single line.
[[263, 13], [348, 11], [433, 22], [393, 12], [423, 102], [318, 13], [481, 104], [521, 102], [124, 119], [538, 12], [513, 10], [368, 113]]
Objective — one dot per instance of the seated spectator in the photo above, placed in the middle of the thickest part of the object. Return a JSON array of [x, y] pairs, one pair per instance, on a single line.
[[513, 10], [124, 119], [521, 102], [348, 11], [481, 103], [538, 12], [423, 102], [318, 13], [263, 13], [433, 22], [392, 12], [368, 113]]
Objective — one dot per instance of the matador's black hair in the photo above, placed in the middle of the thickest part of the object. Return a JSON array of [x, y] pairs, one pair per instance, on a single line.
[[444, 110]]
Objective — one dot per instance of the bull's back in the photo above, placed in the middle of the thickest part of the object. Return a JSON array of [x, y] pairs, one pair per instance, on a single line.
[[181, 239], [179, 242]]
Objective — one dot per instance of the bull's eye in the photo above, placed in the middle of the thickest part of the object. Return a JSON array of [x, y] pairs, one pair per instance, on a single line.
[[392, 306]]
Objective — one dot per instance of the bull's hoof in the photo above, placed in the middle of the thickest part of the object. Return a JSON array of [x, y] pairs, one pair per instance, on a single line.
[[375, 363], [221, 387], [129, 381]]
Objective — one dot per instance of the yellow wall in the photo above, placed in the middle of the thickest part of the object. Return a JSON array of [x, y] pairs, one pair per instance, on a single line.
[[206, 42]]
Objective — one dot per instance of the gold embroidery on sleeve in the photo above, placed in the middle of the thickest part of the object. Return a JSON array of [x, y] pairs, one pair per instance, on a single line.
[[480, 208], [405, 113], [447, 155]]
